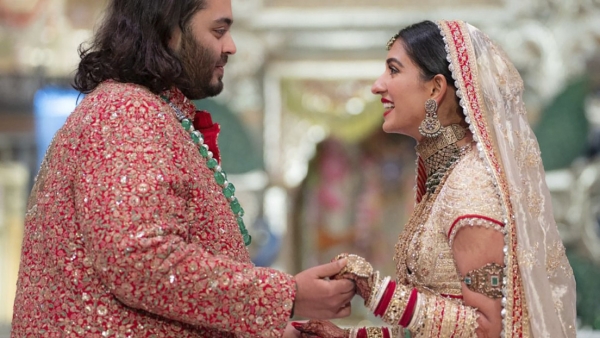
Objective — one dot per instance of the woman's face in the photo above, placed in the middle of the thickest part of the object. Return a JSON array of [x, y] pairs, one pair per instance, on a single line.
[[403, 93]]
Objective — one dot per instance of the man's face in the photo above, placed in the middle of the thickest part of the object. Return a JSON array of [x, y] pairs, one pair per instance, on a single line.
[[205, 46]]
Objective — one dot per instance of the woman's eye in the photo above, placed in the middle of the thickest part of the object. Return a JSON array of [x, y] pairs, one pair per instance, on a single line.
[[393, 70]]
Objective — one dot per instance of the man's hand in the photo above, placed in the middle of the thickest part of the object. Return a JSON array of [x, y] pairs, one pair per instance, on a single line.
[[363, 284], [320, 298]]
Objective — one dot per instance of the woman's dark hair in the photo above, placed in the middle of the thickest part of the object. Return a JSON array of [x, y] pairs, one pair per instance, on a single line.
[[132, 45], [425, 46]]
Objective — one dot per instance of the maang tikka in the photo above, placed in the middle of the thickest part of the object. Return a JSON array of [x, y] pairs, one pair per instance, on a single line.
[[431, 126]]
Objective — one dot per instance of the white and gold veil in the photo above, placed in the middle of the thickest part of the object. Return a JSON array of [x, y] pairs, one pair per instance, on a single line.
[[538, 274]]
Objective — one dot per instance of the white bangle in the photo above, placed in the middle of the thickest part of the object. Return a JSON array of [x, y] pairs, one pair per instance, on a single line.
[[374, 289], [374, 293], [354, 332], [379, 295], [414, 320]]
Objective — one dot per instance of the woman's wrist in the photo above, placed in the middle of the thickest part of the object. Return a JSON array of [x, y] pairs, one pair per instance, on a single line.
[[370, 332], [394, 303]]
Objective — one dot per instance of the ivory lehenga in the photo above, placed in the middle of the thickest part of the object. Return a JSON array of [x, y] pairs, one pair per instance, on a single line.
[[498, 182]]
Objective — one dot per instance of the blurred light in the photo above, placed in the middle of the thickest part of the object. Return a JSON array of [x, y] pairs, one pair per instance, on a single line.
[[355, 106], [316, 134], [295, 174], [276, 210], [52, 106], [319, 103]]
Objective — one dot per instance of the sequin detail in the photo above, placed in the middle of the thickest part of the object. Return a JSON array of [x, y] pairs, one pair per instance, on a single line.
[[127, 234], [424, 255]]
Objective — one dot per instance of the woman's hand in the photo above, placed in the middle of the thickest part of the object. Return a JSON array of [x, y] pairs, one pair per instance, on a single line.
[[359, 271], [319, 298], [291, 332], [322, 329]]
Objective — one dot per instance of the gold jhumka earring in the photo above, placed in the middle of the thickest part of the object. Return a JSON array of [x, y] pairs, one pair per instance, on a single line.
[[431, 126]]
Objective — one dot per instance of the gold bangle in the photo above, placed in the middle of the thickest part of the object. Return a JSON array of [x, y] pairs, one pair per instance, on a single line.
[[374, 332], [380, 292], [436, 316], [374, 284], [397, 305]]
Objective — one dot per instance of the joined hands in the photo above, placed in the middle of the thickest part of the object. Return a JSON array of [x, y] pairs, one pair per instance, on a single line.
[[355, 269]]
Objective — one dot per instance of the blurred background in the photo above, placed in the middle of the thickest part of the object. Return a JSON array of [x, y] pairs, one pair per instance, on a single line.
[[301, 131]]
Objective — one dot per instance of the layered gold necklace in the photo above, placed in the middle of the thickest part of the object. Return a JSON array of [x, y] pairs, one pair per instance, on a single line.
[[440, 154]]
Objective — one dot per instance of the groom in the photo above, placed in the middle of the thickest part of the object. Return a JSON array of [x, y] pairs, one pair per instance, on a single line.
[[132, 229]]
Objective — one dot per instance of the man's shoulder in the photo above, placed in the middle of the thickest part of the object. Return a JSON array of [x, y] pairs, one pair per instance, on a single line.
[[118, 93], [114, 102]]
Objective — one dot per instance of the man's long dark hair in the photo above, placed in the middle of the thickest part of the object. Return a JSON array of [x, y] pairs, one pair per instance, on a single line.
[[132, 45]]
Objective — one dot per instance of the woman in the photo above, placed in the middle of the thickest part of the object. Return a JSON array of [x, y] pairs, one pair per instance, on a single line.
[[481, 255]]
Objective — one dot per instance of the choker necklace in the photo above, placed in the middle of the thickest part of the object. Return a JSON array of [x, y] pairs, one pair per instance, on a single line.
[[440, 153], [218, 173]]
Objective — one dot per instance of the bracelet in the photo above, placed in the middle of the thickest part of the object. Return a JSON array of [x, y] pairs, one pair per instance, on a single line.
[[387, 298], [397, 305], [410, 308], [379, 295], [415, 322], [370, 332], [374, 332], [435, 316], [374, 284]]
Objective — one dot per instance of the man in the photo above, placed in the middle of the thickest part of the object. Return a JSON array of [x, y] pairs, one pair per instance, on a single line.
[[131, 228]]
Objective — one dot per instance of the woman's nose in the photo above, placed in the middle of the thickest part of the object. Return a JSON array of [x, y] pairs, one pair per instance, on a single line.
[[378, 88]]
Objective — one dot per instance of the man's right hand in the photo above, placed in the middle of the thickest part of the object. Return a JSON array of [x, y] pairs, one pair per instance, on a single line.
[[320, 298]]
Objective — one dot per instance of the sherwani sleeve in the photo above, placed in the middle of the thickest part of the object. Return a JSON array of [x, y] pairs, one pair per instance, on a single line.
[[134, 187]]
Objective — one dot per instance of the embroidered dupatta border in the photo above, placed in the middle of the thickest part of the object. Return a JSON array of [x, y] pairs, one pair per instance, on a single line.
[[464, 69]]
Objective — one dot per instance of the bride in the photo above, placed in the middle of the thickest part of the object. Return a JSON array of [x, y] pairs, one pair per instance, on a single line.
[[481, 255]]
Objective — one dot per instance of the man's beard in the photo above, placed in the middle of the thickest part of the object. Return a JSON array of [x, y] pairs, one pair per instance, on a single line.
[[198, 69]]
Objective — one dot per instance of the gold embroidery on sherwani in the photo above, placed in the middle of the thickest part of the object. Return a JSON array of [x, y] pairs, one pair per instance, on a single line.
[[126, 215]]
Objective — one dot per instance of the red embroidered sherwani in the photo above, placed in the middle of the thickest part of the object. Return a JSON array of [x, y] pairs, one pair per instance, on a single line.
[[127, 234]]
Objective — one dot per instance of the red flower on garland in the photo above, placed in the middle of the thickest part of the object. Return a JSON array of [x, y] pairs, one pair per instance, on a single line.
[[204, 124]]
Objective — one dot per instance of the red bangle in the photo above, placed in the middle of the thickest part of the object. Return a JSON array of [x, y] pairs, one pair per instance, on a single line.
[[410, 309], [362, 333], [386, 332], [385, 300]]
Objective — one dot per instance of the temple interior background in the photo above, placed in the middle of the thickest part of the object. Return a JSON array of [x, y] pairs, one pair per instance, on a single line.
[[301, 131]]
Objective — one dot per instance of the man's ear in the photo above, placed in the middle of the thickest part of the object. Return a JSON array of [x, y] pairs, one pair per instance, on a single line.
[[175, 41]]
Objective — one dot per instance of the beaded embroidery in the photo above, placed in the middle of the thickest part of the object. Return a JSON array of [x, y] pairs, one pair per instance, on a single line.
[[219, 175]]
